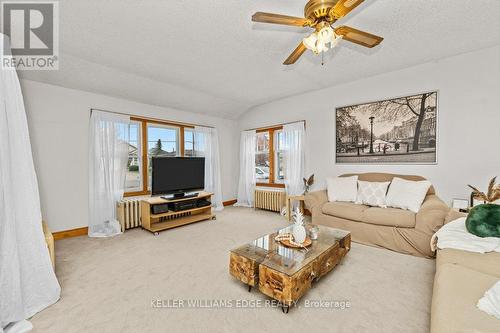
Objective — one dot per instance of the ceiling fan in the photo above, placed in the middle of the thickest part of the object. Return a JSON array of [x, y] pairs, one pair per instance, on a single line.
[[320, 15]]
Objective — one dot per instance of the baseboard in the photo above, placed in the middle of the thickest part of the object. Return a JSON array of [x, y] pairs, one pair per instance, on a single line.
[[229, 202], [70, 233]]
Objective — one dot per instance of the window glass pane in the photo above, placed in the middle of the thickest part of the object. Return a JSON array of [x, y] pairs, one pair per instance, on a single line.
[[133, 177], [262, 158], [188, 142], [278, 158], [163, 141]]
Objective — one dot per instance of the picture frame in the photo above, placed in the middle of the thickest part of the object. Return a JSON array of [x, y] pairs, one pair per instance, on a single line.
[[384, 131], [462, 205]]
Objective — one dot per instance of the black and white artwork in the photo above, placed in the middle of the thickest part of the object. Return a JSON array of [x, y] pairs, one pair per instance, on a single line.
[[401, 130]]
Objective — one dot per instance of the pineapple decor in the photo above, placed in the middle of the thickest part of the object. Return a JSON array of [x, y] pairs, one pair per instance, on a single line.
[[299, 230], [484, 220]]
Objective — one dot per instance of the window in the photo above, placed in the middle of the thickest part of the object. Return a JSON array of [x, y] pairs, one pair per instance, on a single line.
[[279, 176], [133, 179], [189, 142], [163, 141], [148, 139], [262, 160], [269, 157]]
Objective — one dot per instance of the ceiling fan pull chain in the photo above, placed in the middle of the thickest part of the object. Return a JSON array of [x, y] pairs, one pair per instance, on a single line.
[[322, 58]]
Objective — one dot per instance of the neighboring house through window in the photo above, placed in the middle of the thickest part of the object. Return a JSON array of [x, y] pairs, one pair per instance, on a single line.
[[269, 157]]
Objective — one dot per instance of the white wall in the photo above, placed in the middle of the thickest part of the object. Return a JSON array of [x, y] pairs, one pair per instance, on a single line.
[[468, 111], [58, 120]]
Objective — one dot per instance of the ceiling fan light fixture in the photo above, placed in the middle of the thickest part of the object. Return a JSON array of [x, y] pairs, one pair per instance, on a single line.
[[335, 41], [311, 42], [315, 44], [322, 40], [326, 35]]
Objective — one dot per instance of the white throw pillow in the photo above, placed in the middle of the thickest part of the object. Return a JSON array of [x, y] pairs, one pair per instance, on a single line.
[[407, 194], [342, 188], [372, 193]]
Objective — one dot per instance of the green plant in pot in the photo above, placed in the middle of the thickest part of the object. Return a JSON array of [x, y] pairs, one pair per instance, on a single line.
[[484, 220]]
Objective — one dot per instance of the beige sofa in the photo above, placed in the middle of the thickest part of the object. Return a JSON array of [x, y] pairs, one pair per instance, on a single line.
[[395, 229], [461, 280]]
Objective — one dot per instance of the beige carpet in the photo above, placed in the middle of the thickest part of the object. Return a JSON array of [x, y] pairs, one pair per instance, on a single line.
[[108, 284]]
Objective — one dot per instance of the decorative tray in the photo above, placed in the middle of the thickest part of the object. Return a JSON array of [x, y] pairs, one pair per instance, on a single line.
[[287, 243]]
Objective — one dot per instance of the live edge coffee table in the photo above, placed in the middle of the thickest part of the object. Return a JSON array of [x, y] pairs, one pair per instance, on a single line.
[[283, 273]]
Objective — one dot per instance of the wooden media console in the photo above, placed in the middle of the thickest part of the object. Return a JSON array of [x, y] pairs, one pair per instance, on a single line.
[[172, 219]]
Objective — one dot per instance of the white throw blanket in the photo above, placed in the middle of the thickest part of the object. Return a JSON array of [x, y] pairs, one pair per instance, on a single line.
[[454, 235], [490, 303]]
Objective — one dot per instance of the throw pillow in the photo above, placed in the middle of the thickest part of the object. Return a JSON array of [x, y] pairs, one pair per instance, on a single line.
[[342, 188], [484, 220], [372, 193], [407, 194]]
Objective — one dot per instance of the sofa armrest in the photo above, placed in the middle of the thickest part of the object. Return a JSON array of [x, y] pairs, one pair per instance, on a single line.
[[431, 216], [315, 199], [453, 215]]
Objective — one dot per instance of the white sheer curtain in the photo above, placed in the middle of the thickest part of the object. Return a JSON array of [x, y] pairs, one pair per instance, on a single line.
[[246, 184], [27, 281], [206, 144], [294, 157], [108, 155]]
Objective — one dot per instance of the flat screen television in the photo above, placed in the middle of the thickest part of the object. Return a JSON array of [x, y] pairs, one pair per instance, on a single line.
[[177, 175]]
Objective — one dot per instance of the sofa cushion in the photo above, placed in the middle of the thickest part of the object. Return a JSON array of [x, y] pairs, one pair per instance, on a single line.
[[389, 216], [372, 193], [342, 188], [456, 292], [345, 210], [407, 194], [386, 177], [488, 263]]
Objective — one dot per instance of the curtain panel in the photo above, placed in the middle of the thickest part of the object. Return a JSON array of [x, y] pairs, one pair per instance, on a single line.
[[294, 157], [206, 144], [246, 186], [27, 280], [108, 155]]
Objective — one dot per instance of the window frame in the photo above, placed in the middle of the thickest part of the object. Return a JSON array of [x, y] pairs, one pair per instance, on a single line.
[[188, 129], [276, 157], [272, 155], [139, 157], [143, 153]]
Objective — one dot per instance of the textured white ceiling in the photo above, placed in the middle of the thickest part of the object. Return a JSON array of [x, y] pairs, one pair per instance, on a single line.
[[207, 56]]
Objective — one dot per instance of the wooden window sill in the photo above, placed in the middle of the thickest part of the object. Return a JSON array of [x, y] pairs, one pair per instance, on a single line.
[[270, 185], [136, 194]]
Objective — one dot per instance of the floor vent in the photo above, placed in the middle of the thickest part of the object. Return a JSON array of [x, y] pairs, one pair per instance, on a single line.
[[269, 200]]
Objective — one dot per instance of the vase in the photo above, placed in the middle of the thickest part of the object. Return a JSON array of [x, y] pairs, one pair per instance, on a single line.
[[299, 234]]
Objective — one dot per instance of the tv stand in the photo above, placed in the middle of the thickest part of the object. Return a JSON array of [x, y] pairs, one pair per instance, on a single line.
[[171, 219]]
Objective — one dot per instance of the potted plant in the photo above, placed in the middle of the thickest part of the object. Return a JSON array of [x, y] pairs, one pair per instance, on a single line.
[[308, 183]]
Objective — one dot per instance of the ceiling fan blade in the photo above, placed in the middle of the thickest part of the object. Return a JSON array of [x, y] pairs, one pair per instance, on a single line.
[[359, 37], [344, 7], [280, 19], [292, 58]]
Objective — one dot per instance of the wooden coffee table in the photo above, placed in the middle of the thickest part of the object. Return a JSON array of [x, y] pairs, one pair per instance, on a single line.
[[284, 273]]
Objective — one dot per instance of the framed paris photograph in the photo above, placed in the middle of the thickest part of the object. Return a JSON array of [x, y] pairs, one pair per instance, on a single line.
[[400, 130]]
